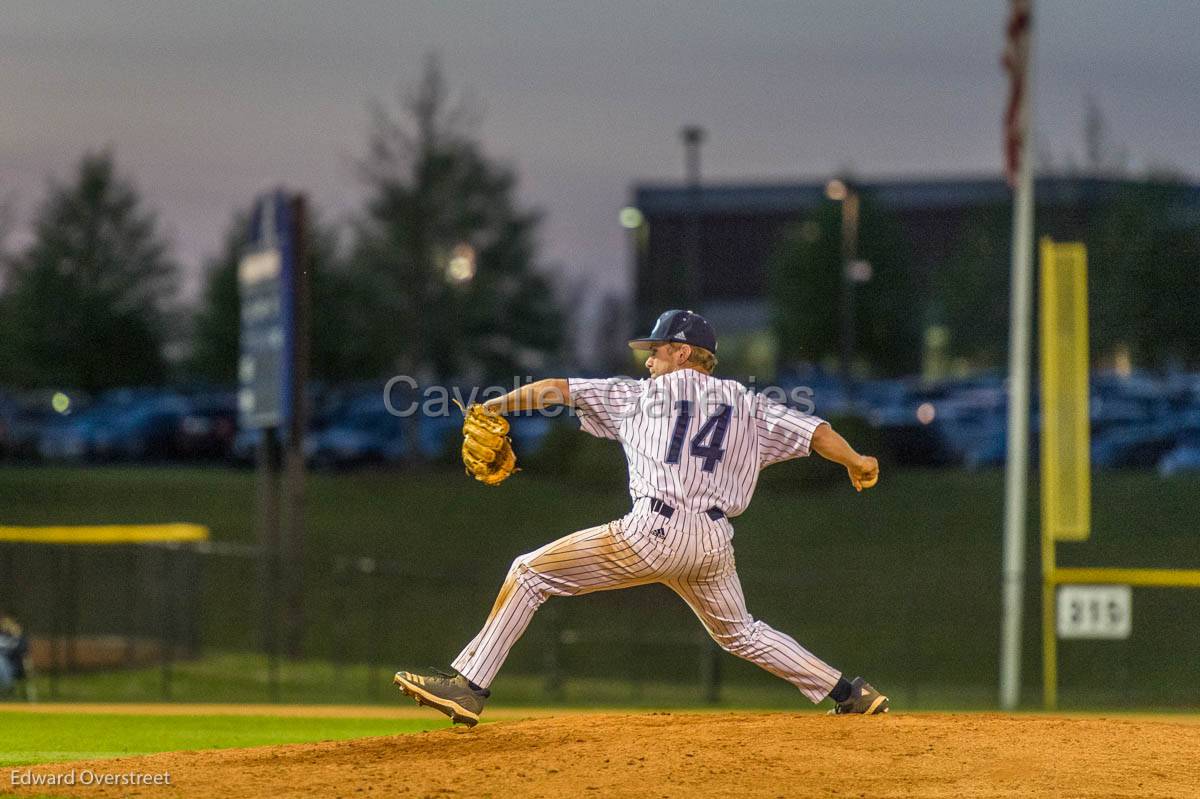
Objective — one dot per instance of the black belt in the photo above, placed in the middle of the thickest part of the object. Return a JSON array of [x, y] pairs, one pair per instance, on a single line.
[[660, 507]]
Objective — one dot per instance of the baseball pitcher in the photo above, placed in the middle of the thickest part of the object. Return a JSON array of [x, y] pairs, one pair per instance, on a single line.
[[695, 444]]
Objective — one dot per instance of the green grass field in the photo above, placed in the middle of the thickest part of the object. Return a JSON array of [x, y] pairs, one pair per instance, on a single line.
[[27, 738], [242, 677], [901, 582]]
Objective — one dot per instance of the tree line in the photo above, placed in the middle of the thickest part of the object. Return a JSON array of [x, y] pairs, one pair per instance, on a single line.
[[437, 274]]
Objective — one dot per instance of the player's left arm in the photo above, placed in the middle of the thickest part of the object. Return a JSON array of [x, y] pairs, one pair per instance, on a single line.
[[533, 396], [829, 444]]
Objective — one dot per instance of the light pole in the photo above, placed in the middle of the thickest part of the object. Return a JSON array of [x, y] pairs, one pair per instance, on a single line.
[[693, 137], [840, 191]]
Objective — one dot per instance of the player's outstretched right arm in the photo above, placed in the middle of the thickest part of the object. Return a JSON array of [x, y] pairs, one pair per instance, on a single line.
[[829, 444], [534, 396]]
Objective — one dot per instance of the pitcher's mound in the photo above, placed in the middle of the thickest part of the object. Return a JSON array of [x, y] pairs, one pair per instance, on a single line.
[[692, 755]]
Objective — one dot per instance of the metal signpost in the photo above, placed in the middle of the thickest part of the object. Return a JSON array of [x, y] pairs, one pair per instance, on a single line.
[[272, 372]]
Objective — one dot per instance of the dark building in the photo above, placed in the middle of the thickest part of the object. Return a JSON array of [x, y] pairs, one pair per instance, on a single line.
[[741, 226]]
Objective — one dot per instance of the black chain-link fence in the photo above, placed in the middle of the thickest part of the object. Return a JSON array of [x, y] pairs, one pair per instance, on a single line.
[[206, 622]]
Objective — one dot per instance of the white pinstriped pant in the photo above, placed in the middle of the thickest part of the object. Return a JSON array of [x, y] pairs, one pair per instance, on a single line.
[[689, 553]]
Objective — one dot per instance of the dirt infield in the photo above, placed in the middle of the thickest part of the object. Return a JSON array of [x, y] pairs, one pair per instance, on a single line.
[[763, 755]]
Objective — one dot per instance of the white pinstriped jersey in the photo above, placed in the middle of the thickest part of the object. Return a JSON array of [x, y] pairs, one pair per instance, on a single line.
[[692, 440], [695, 443]]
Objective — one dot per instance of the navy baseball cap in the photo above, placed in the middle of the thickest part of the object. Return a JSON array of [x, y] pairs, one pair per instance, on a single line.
[[679, 327]]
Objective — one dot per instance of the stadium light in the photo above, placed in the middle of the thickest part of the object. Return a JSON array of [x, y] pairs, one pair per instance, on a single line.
[[631, 218], [461, 267], [836, 190]]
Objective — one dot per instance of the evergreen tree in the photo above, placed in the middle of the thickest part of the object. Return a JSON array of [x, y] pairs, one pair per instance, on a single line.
[[444, 257], [338, 351], [218, 321], [84, 303], [1143, 266], [970, 289]]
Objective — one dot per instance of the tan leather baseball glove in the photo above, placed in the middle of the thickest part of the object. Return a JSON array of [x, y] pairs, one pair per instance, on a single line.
[[487, 450]]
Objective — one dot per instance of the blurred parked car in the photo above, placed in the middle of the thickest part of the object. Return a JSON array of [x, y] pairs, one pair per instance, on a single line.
[[19, 432], [907, 433], [207, 430], [362, 436], [969, 421], [72, 438], [31, 414], [439, 436], [1183, 458], [915, 444], [8, 409], [244, 448], [528, 432], [1116, 412], [83, 434], [147, 430], [1134, 447], [1137, 421]]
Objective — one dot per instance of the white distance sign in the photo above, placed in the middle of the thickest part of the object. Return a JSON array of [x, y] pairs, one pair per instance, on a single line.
[[1095, 611]]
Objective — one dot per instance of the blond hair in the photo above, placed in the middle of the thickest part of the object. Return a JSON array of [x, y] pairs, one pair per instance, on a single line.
[[700, 358]]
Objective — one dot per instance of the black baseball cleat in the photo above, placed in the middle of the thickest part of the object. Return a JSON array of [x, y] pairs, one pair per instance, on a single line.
[[863, 699], [451, 693]]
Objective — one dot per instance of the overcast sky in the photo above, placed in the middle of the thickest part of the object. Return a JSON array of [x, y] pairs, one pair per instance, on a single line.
[[207, 103]]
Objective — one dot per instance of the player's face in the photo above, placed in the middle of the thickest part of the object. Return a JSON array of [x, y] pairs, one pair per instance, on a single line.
[[665, 359]]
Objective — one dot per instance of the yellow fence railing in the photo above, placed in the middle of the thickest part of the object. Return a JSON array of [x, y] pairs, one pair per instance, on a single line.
[[106, 534]]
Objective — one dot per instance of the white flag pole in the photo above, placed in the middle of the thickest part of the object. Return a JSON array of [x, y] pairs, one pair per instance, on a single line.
[[1017, 461]]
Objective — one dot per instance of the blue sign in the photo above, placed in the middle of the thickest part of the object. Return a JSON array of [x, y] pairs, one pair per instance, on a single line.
[[267, 287]]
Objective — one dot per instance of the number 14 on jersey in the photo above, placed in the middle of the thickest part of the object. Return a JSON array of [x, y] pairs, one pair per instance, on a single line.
[[707, 444]]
